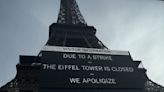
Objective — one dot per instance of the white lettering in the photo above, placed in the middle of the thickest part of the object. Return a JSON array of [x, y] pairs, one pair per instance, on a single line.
[[68, 67], [69, 56], [89, 57], [49, 66], [82, 56], [101, 57], [92, 68], [106, 68], [122, 69], [75, 80], [99, 80]]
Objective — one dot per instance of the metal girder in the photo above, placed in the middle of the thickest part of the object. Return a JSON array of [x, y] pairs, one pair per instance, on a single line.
[[70, 14]]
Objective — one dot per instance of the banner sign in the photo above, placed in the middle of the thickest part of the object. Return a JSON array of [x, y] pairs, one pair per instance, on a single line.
[[84, 50], [85, 70]]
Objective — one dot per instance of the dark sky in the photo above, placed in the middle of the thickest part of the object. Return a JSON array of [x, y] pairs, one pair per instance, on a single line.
[[132, 25]]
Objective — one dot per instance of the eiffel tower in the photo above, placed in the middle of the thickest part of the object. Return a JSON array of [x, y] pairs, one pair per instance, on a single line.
[[56, 68]]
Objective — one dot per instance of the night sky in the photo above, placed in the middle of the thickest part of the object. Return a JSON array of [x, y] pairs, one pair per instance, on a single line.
[[131, 25]]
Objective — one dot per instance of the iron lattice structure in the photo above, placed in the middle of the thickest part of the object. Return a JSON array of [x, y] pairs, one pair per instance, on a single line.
[[70, 13], [26, 79], [70, 16], [151, 86]]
